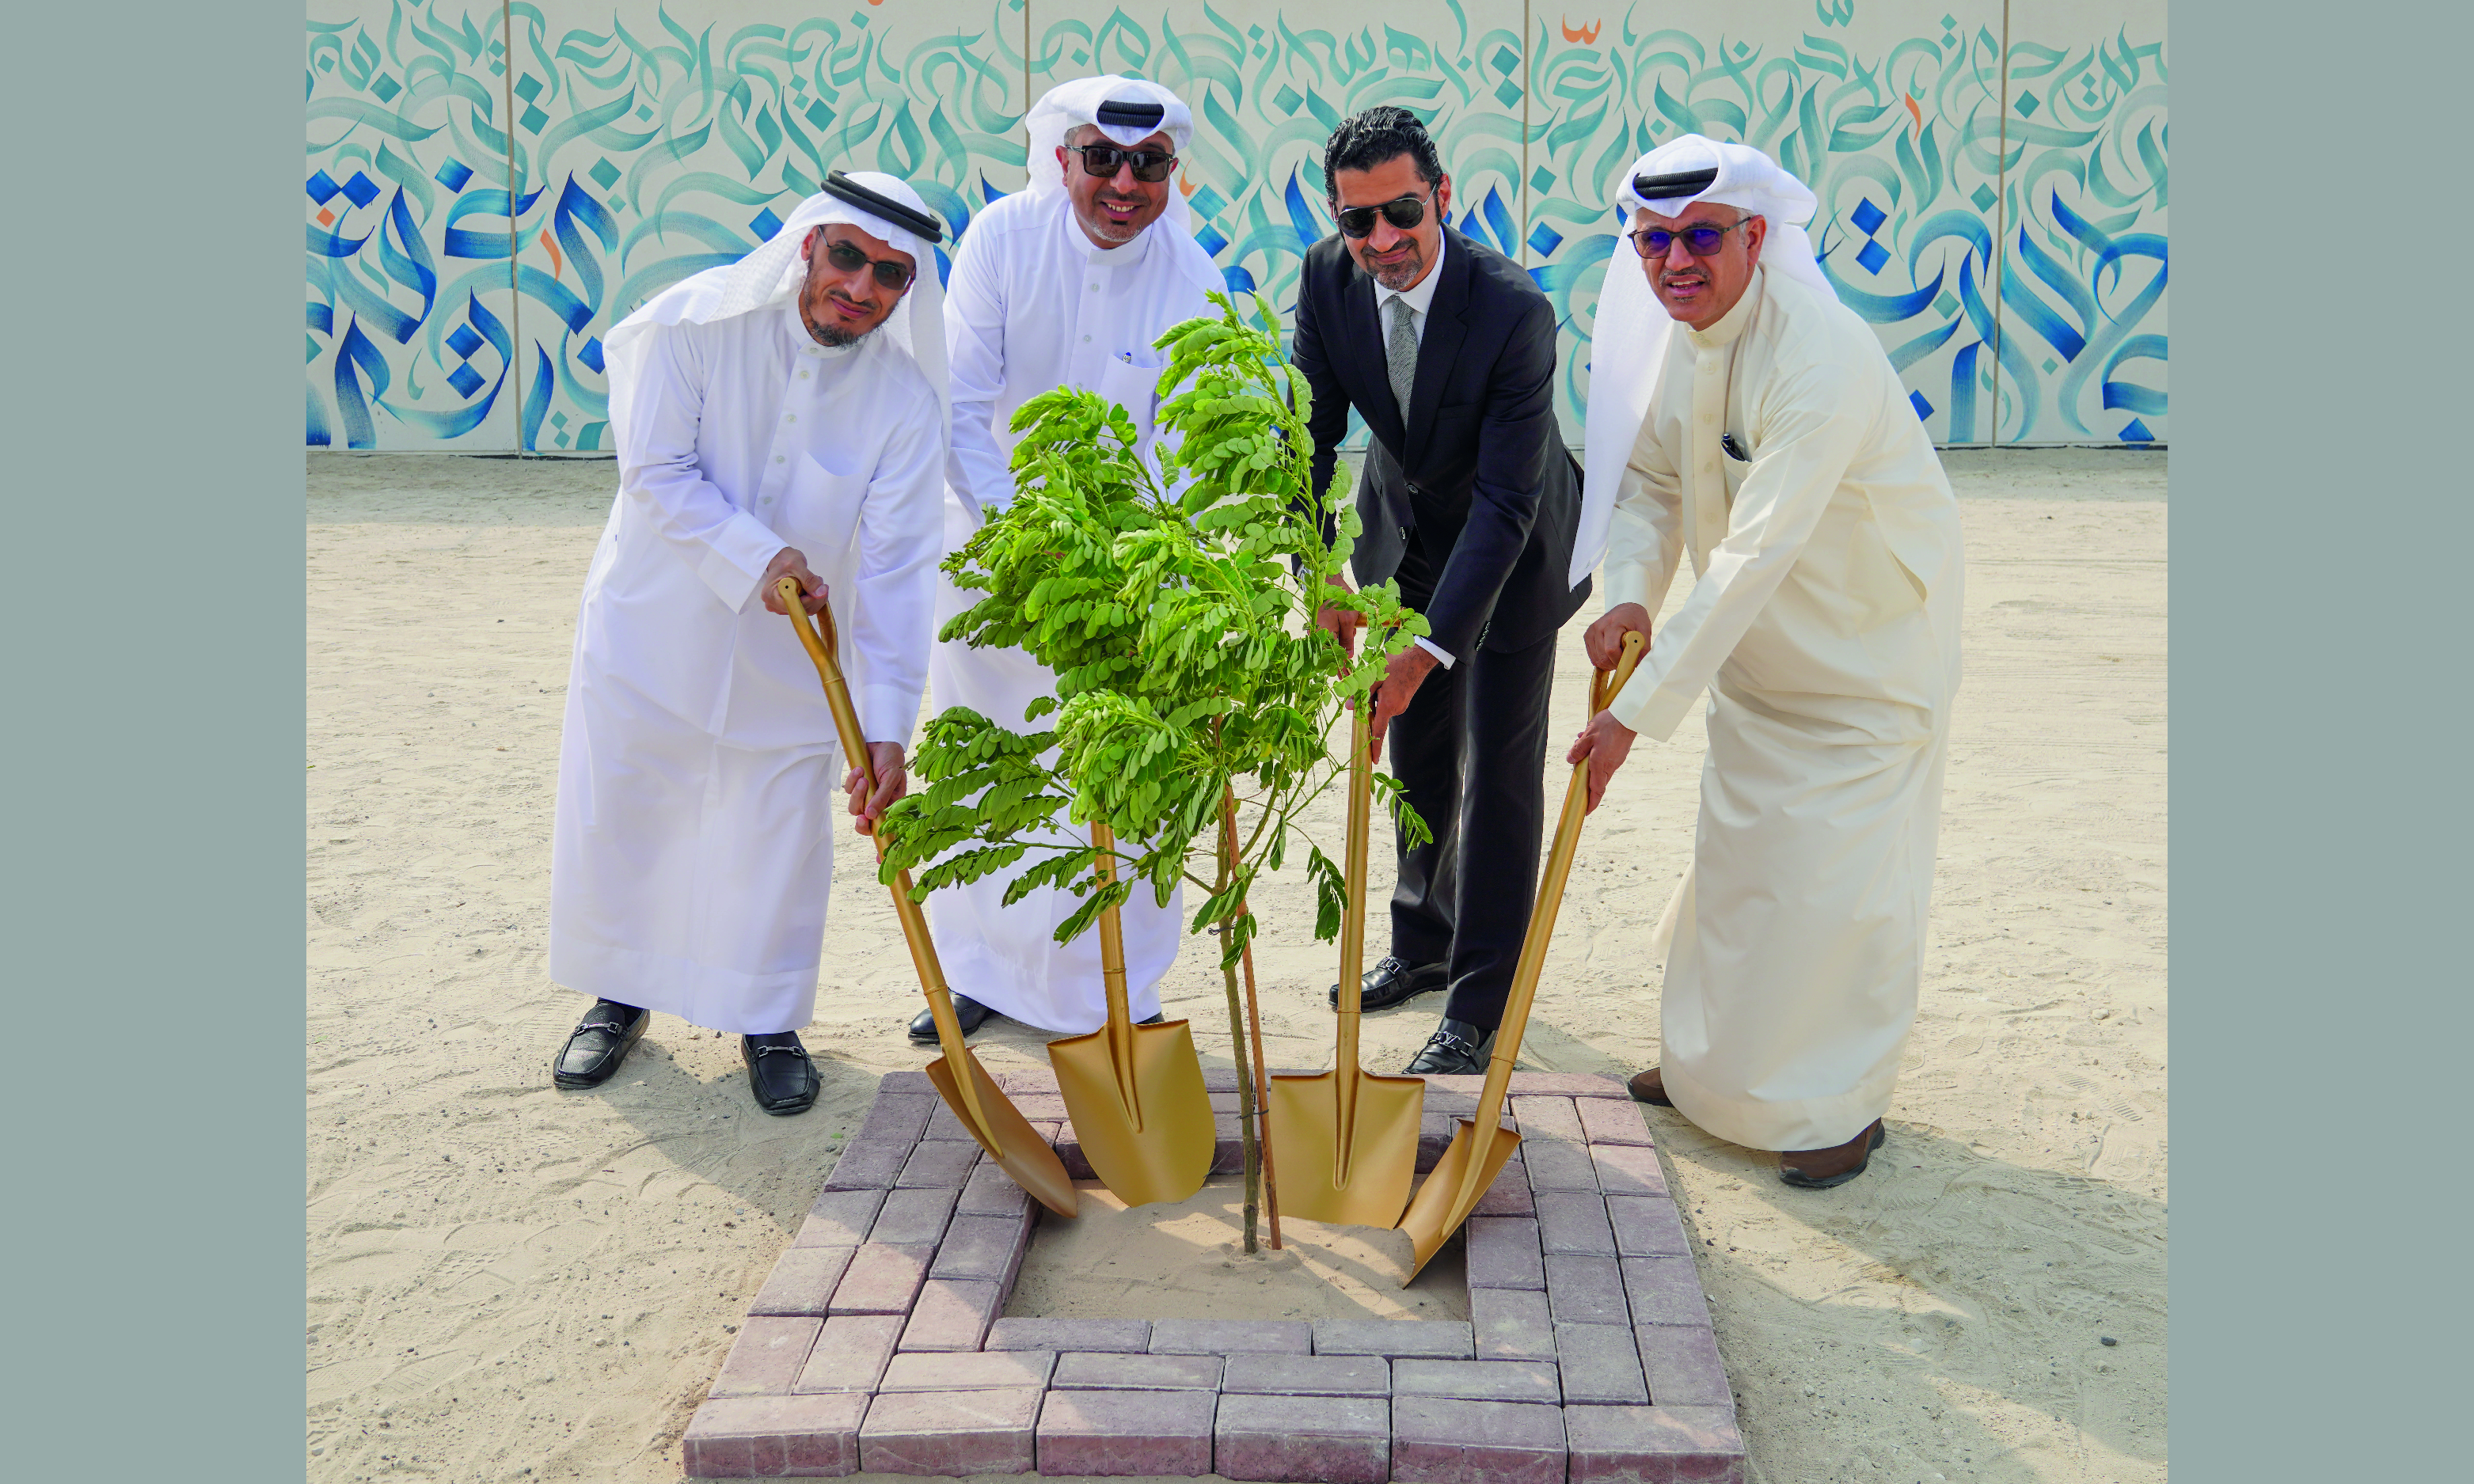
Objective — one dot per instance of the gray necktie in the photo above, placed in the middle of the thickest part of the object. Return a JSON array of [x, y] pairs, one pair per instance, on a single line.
[[1400, 351]]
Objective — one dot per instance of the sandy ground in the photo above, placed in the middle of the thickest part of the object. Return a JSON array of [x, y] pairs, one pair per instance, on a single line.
[[509, 1283]]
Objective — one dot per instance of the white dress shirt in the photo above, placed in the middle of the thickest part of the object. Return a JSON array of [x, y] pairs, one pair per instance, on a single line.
[[1418, 295]]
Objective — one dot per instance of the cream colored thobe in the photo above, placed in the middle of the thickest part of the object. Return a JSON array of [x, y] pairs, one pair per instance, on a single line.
[[1822, 622], [699, 771], [1032, 304]]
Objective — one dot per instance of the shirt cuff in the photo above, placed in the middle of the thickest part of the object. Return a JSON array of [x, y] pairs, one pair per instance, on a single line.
[[1625, 581], [1653, 714], [741, 551], [887, 714], [1442, 658]]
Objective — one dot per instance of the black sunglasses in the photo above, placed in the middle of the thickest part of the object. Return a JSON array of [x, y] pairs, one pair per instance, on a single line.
[[1405, 212], [1150, 166], [1699, 240], [848, 259]]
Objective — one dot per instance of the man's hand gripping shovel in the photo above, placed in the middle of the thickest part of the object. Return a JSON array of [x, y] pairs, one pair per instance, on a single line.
[[967, 1088], [1481, 1145]]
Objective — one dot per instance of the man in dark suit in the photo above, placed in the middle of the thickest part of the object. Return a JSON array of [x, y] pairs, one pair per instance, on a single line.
[[1447, 350]]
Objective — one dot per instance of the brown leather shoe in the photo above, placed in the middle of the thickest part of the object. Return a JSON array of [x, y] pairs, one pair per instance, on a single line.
[[1651, 1089], [1819, 1169]]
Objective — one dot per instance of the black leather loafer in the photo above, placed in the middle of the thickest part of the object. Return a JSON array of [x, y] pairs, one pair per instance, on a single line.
[[779, 1072], [598, 1043], [966, 1009], [1456, 1049], [1392, 981]]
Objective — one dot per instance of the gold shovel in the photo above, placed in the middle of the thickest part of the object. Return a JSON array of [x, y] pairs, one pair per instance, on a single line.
[[1134, 1091], [968, 1089], [1474, 1159], [1348, 1139]]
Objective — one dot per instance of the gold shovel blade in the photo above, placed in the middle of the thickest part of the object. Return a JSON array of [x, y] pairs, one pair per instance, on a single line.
[[1009, 1140], [1365, 1185], [1160, 1147], [1441, 1206]]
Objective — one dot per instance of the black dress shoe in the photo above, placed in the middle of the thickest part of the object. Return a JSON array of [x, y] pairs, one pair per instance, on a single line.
[[779, 1072], [1392, 981], [1456, 1049], [598, 1043], [966, 1009]]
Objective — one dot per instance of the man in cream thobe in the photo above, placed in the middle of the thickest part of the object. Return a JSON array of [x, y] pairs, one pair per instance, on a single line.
[[1776, 447], [766, 428], [1066, 283]]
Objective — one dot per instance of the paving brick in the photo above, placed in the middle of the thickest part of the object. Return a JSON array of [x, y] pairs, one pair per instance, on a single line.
[[1648, 1226], [774, 1437], [1217, 1079], [1600, 1365], [867, 1166], [1309, 1376], [1434, 1137], [1478, 1380], [1628, 1169], [983, 1247], [912, 1218], [1440, 1441], [1228, 1154], [1468, 1086], [920, 1370], [1554, 1166], [943, 1165], [766, 1358], [1609, 1122], [839, 1219], [1019, 1080], [1116, 1434], [1231, 1336], [850, 1354], [1574, 1222], [952, 1313], [1585, 1290], [1508, 1196], [1042, 1107], [906, 1082], [1635, 1444], [948, 1433], [894, 1118], [1311, 1439], [882, 1278], [1683, 1366], [1512, 1323], [1133, 1335], [1069, 1153], [991, 1192], [802, 1281], [1083, 1370], [1565, 1085], [1436, 1339], [1548, 1117], [1664, 1291], [1503, 1253], [945, 1124]]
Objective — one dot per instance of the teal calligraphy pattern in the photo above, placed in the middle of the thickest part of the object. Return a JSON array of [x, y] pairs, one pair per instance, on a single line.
[[492, 186]]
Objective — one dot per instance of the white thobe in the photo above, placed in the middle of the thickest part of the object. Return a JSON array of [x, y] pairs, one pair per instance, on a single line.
[[1032, 304], [699, 771], [1824, 625]]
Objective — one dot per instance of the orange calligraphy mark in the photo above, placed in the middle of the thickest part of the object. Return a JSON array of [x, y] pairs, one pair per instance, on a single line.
[[1586, 36], [1917, 114], [1185, 186], [326, 218], [557, 265]]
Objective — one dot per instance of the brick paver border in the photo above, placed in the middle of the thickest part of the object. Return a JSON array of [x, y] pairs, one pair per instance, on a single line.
[[876, 1344]]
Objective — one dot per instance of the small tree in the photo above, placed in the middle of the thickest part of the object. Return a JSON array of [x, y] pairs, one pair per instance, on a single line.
[[1191, 681]]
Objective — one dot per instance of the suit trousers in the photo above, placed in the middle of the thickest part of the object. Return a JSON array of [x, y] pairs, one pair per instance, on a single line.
[[1471, 754]]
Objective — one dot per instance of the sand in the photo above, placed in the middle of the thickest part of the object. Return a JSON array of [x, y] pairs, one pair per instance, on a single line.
[[510, 1282]]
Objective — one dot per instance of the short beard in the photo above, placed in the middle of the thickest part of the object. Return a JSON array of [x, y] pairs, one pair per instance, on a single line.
[[1104, 229], [833, 336], [1403, 276]]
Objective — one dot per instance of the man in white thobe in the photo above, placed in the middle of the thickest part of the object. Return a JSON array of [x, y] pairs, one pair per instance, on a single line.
[[766, 427], [1066, 283], [1757, 425]]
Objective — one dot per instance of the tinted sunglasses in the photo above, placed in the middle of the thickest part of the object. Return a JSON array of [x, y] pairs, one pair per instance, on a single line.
[[848, 259], [1655, 242], [1150, 166], [1403, 213]]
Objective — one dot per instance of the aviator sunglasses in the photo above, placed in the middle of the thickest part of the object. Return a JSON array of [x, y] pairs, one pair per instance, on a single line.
[[848, 259], [1150, 166], [1699, 240], [1403, 212]]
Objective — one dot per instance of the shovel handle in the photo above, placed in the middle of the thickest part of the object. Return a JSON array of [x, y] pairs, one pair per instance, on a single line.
[[1604, 687], [914, 924]]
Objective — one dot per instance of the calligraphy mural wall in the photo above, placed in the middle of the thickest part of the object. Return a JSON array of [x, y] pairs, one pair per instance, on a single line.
[[490, 187]]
